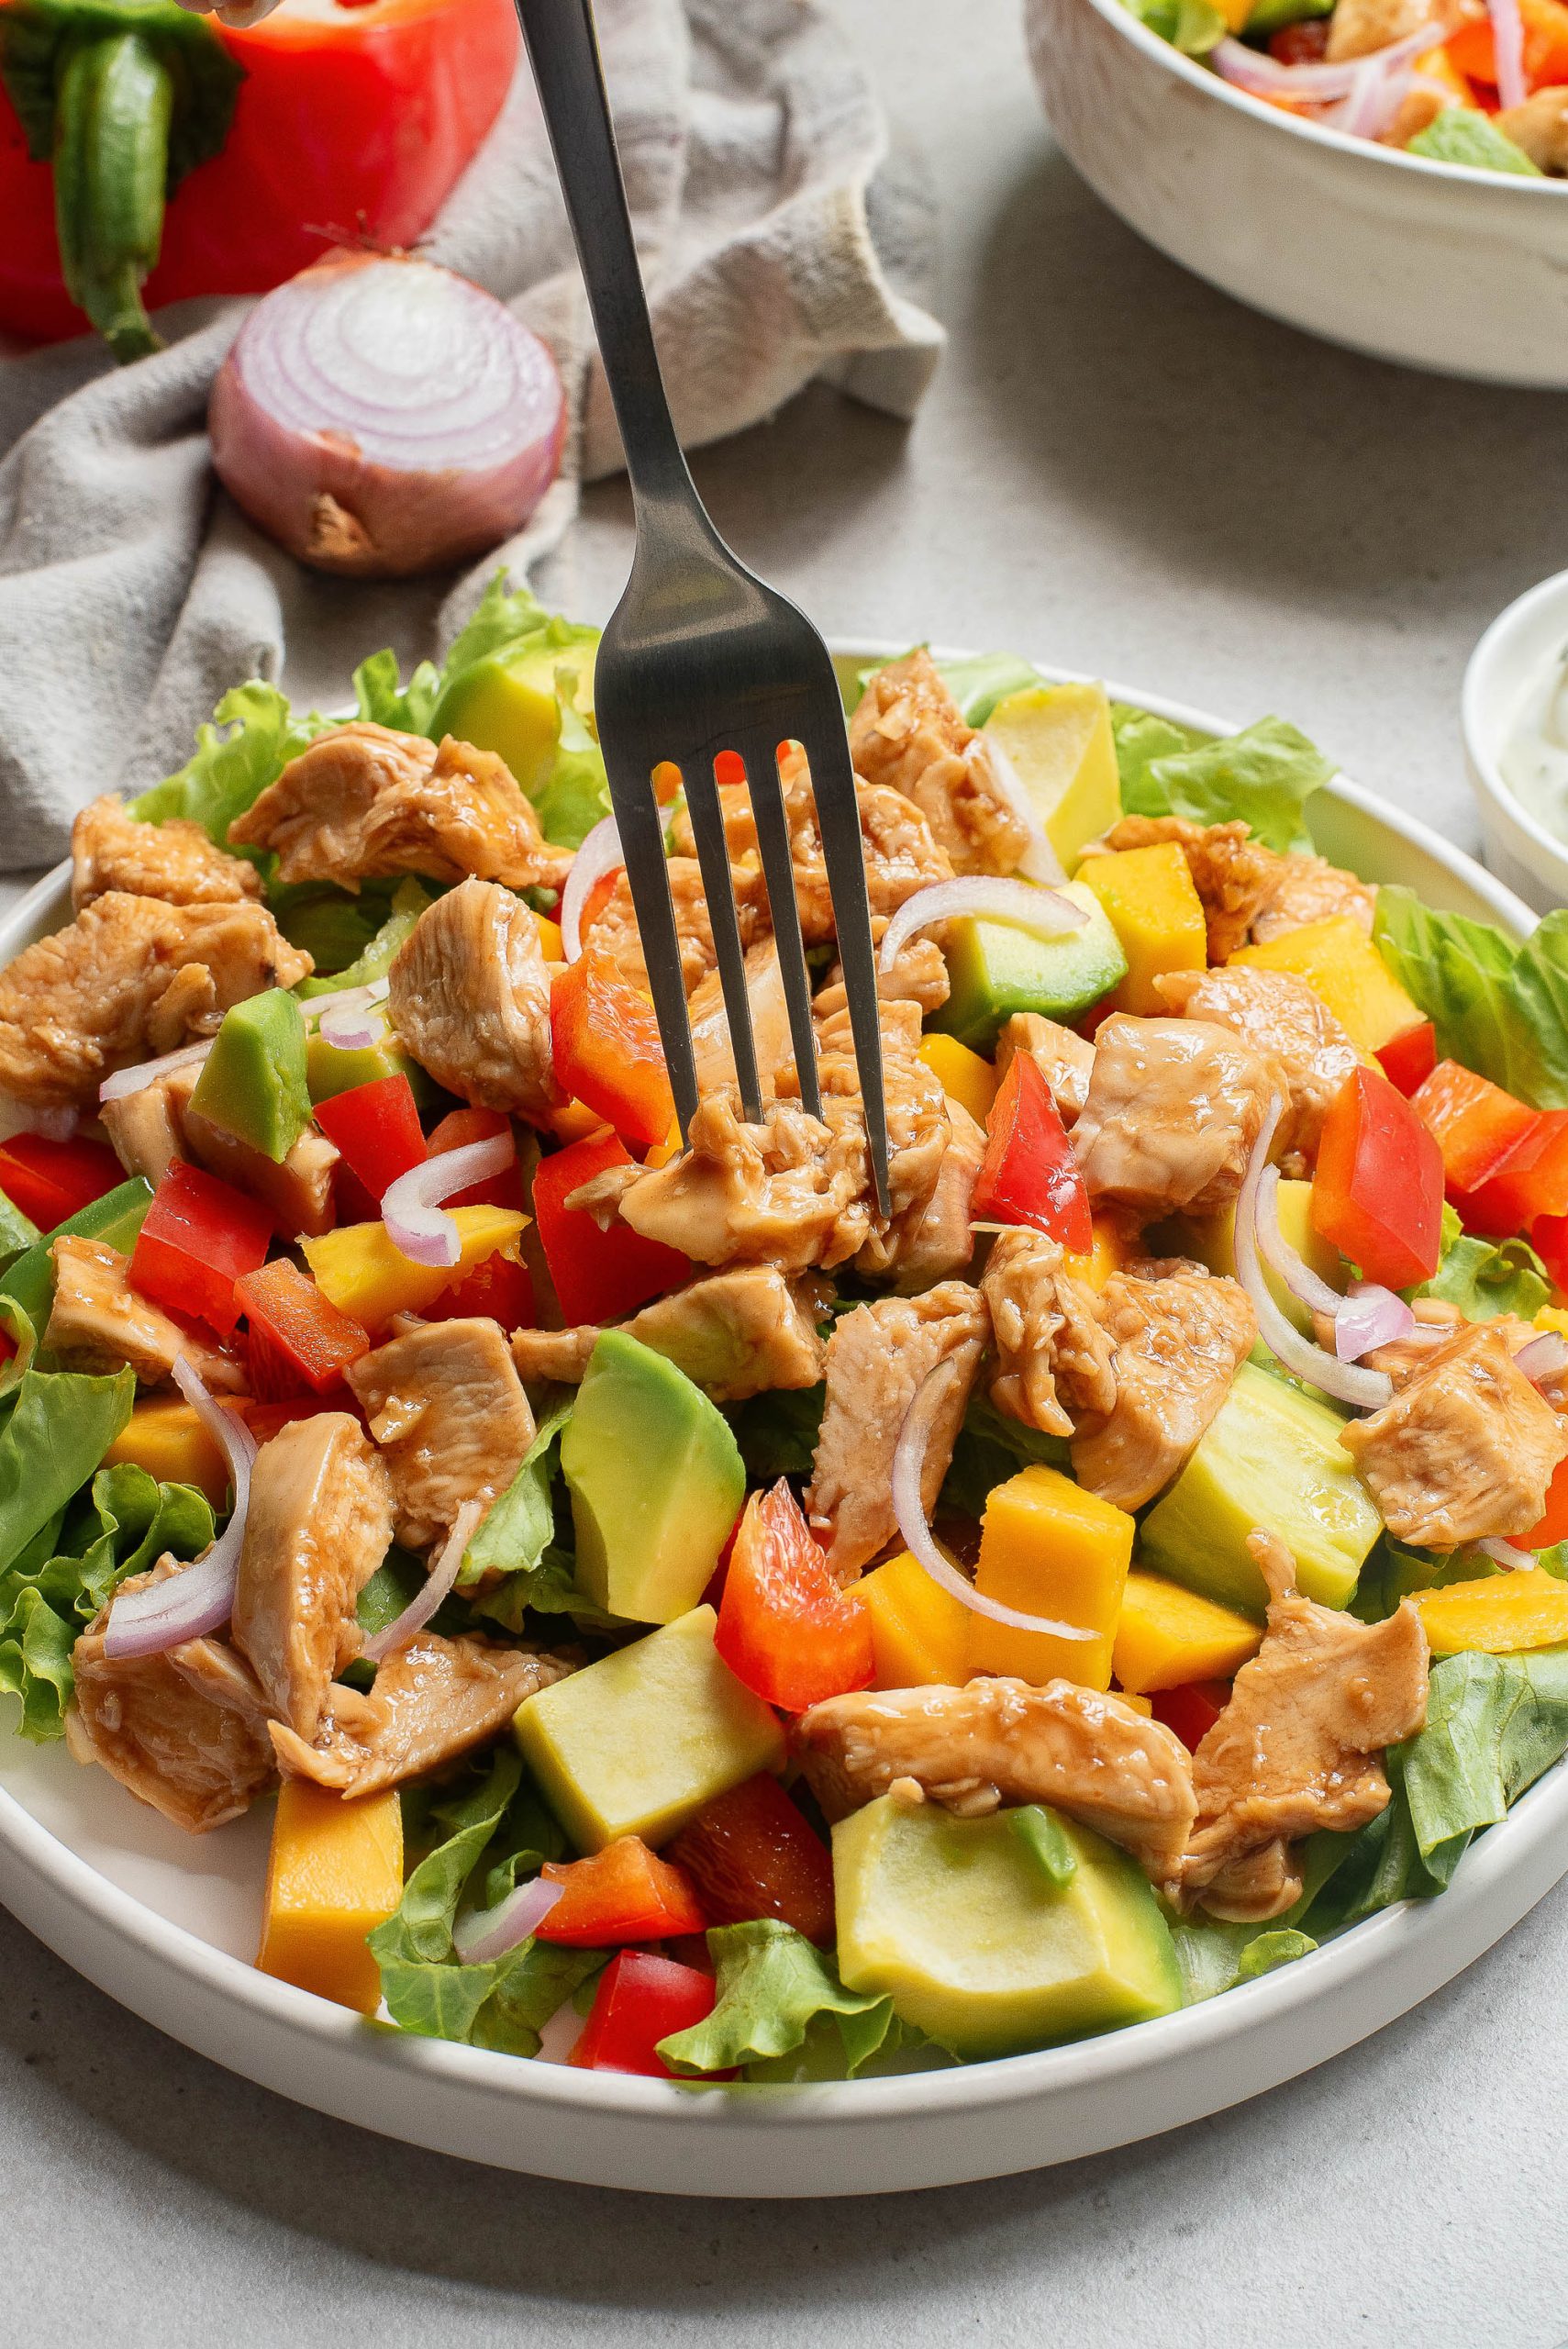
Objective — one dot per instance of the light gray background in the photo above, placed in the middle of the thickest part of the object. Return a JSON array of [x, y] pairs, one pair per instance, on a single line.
[[1120, 470]]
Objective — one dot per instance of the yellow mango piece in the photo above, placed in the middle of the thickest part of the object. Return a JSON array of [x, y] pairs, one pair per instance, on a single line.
[[1059, 742], [358, 1269], [1340, 962], [662, 1151], [920, 1632], [1166, 1636], [1552, 1317], [1499, 1615], [169, 1441], [574, 1122], [550, 940], [1157, 915], [1138, 1704], [1212, 1239], [966, 1077], [1107, 1255], [1049, 1548], [336, 1873]]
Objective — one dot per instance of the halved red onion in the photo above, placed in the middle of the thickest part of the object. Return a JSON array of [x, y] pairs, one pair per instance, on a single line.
[[1543, 1357], [352, 1021], [199, 1598], [1368, 1389], [490, 1933], [991, 898], [1508, 1556], [1369, 1317], [1307, 1287], [909, 1507], [1509, 44], [438, 1583], [600, 853], [411, 1209], [125, 1081], [1040, 861]]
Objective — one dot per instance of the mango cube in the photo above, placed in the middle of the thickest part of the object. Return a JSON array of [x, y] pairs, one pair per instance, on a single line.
[[1500, 1615], [1058, 740], [1168, 1635], [920, 1632], [169, 1441], [1047, 1547], [1156, 914], [358, 1269], [964, 1077], [1340, 962], [336, 1873], [1107, 1255]]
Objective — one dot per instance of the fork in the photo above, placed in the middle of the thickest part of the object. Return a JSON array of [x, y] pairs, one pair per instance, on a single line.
[[699, 657]]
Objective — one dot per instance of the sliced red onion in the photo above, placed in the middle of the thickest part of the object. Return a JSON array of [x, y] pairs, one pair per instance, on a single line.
[[1307, 1287], [1376, 97], [490, 1933], [53, 1125], [136, 1080], [411, 1208], [438, 1583], [990, 897], [1367, 1389], [559, 2035], [1508, 1556], [600, 853], [1369, 1317], [351, 1021], [1508, 43], [1255, 70], [199, 1598], [1040, 861], [909, 1507], [1543, 1357]]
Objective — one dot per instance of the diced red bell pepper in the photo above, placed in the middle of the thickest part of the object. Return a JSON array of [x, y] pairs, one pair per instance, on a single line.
[[784, 1626], [455, 1132], [266, 1417], [640, 1999], [1553, 1526], [597, 899], [1192, 1710], [1472, 49], [295, 1337], [1477, 1123], [752, 1853], [597, 1275], [605, 1039], [375, 1130], [52, 1180], [1408, 1060], [198, 1238], [1377, 1193], [625, 1893], [1549, 1238], [1028, 1173], [1531, 1181], [500, 1289], [1303, 44]]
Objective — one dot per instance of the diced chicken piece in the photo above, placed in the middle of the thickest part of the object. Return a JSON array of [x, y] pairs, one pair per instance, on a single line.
[[996, 1742], [470, 997], [446, 1404], [614, 929], [918, 974], [1299, 1745], [1539, 125], [1174, 1106], [1233, 874], [175, 861], [433, 1701], [1466, 1451], [144, 1128], [128, 978], [1065, 1061], [317, 1528], [1180, 1336], [185, 1731], [907, 734], [361, 803], [1053, 1360], [711, 1050], [878, 1357], [942, 1243], [734, 1334], [1357, 28], [98, 1322], [1309, 889], [151, 1127], [1281, 1015], [918, 1125]]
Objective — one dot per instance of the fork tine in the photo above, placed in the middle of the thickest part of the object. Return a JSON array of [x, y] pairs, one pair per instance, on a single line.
[[843, 852], [642, 843], [778, 870], [706, 812]]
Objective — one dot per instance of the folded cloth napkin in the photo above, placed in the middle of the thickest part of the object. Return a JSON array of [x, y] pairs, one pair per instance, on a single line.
[[782, 239]]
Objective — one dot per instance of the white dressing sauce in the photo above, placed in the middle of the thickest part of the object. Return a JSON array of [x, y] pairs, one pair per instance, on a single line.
[[1533, 762]]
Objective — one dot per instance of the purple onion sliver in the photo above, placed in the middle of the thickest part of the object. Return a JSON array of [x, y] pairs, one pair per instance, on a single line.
[[409, 1208], [601, 853], [490, 1933], [988, 897], [1369, 1317], [1368, 1389], [1543, 1357], [1507, 1555], [200, 1598], [1305, 1286], [442, 1577]]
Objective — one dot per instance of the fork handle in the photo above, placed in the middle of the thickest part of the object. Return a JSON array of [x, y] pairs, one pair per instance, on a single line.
[[564, 50]]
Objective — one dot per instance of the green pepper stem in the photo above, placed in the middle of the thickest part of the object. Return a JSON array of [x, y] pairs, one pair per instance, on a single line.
[[111, 161]]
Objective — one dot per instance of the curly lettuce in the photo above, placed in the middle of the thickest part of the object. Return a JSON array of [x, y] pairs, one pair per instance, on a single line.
[[1262, 776], [1499, 1007], [774, 1987]]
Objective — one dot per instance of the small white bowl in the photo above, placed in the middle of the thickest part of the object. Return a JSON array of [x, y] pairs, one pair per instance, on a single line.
[[1507, 667]]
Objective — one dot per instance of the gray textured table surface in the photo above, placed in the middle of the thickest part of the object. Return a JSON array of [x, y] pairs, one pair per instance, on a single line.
[[1120, 471]]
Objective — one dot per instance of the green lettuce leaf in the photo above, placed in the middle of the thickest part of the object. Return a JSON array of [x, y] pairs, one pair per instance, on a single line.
[[61, 1425], [375, 958], [991, 1447], [1500, 1007], [1192, 26], [1214, 1957], [17, 1231], [1462, 135], [1262, 776], [777, 1432], [1485, 1279], [575, 796], [504, 620], [1394, 1573], [978, 684], [772, 1984], [518, 1527], [230, 771], [1141, 740]]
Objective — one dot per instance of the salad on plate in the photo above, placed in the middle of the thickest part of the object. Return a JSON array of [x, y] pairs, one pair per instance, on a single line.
[[681, 1619]]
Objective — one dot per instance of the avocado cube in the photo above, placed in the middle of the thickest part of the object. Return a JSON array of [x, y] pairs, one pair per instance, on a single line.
[[996, 969], [639, 1741], [330, 1070], [1058, 740], [253, 1081], [956, 1922], [508, 704], [1212, 1239], [656, 1482]]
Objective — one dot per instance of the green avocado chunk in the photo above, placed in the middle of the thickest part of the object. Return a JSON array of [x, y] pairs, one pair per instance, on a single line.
[[330, 1070], [958, 1924], [995, 969], [656, 1482], [253, 1081], [1272, 1457]]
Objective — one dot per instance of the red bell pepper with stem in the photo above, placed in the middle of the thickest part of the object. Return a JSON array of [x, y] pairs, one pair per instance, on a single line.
[[1192, 1710], [1028, 1173], [625, 1893], [198, 1238], [597, 1275], [641, 1999], [52, 1180], [751, 1853], [784, 1626], [605, 1039], [1377, 1193], [455, 1132], [1478, 1126], [295, 1337], [1408, 1060], [375, 1131]]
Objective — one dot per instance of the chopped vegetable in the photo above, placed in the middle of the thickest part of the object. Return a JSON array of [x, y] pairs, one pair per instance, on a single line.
[[334, 1875], [197, 1239], [1192, 1710], [459, 1129], [597, 1275], [1028, 1173], [252, 1082], [751, 1853], [606, 1050], [296, 1336], [625, 1893], [785, 1628], [375, 1130], [1157, 915], [920, 1632], [1168, 1637], [1377, 1191], [641, 2000], [1049, 1548], [365, 1276], [52, 1181], [1478, 1126], [1407, 1061]]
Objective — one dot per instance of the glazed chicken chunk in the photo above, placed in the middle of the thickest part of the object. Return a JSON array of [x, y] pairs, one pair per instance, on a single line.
[[908, 734], [363, 803], [470, 997], [174, 860], [1174, 1108], [1065, 1061], [446, 1405], [614, 931], [1180, 1335], [734, 1334], [1356, 28], [98, 1322], [1281, 1016], [154, 1126], [185, 1731], [1309, 889], [919, 1126], [1053, 1359], [1234, 874], [1539, 125], [942, 1243]]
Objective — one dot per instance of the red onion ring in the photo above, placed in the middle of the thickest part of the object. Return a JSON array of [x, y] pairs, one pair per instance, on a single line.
[[1022, 904], [909, 1507], [438, 1583], [1509, 44], [1507, 1555], [601, 853], [490, 1933], [411, 1209], [200, 1598], [1543, 1357], [1307, 1287], [1369, 1317], [1367, 1389], [127, 1081]]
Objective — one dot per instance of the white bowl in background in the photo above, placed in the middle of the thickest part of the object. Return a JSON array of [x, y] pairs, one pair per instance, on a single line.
[[1506, 670], [1434, 265]]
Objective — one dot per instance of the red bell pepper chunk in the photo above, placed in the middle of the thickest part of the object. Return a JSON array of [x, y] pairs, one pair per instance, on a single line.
[[198, 1238], [641, 2000], [605, 1039], [455, 1132], [1192, 1710], [1549, 1238], [1028, 1173], [376, 1132], [1553, 1526], [500, 1289], [295, 1337], [1531, 1181], [1408, 1060], [625, 1893], [1377, 1194], [266, 1417], [751, 1853], [52, 1180], [597, 1275], [1477, 1123], [784, 1626]]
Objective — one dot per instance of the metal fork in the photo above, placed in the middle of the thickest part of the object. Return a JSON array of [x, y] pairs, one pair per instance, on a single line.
[[699, 657]]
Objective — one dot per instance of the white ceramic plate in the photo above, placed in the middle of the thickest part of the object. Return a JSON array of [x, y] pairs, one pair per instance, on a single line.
[[167, 1922], [1524, 644]]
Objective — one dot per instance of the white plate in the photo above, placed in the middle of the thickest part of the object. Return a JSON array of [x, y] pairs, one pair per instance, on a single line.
[[167, 1922]]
